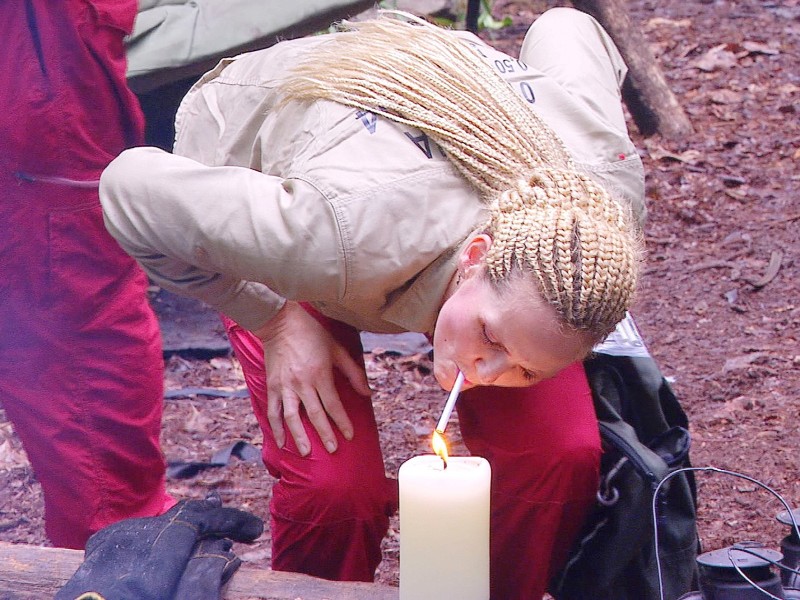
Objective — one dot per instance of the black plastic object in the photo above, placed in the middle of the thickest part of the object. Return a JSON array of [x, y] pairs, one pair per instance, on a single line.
[[721, 580], [790, 547], [241, 449]]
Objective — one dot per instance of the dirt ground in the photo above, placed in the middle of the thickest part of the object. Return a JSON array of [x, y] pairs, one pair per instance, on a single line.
[[719, 306]]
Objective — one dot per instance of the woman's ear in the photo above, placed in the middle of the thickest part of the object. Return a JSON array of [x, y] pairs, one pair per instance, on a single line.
[[473, 254]]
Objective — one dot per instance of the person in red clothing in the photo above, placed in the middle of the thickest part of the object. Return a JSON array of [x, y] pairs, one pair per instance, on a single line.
[[81, 374]]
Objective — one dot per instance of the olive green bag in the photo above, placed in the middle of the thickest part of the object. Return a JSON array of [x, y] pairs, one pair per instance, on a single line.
[[645, 437]]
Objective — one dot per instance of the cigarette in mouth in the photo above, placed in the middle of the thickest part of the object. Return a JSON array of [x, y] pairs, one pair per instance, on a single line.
[[451, 403]]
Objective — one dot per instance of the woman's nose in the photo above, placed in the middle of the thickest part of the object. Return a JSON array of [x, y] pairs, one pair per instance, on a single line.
[[490, 367]]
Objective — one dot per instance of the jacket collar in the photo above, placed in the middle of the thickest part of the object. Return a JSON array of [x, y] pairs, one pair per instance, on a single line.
[[415, 306]]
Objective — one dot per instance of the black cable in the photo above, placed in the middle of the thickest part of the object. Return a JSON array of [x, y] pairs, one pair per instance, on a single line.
[[746, 578], [724, 472], [774, 563]]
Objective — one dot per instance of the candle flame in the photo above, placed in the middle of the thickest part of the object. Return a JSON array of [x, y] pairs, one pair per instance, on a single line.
[[439, 445]]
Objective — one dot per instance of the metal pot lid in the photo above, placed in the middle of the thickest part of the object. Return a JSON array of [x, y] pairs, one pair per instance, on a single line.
[[783, 517], [736, 555]]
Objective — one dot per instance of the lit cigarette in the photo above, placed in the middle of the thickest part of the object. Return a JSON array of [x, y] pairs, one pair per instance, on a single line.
[[451, 403]]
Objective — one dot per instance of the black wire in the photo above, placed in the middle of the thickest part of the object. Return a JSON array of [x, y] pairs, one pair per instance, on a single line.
[[765, 558], [713, 470], [746, 578]]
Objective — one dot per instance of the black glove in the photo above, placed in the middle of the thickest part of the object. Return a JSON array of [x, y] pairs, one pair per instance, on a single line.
[[145, 559], [209, 568]]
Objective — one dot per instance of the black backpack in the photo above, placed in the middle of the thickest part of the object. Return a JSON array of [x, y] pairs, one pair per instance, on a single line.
[[645, 437]]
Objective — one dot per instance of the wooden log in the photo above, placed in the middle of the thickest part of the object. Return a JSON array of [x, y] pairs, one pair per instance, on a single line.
[[33, 572], [651, 103]]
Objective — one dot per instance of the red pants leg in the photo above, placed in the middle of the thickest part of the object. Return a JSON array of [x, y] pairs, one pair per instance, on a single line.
[[544, 448], [329, 512], [82, 372]]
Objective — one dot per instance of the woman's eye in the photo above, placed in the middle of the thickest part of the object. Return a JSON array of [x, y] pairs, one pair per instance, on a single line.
[[487, 340], [529, 376]]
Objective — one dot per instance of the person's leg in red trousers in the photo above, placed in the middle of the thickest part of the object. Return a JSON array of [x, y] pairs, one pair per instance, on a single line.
[[542, 442], [544, 448], [81, 376], [329, 512], [81, 373]]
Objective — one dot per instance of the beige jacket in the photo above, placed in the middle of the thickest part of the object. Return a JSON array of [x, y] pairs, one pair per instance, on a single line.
[[358, 215]]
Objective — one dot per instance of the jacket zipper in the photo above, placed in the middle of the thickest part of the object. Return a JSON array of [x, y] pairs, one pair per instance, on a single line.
[[57, 180]]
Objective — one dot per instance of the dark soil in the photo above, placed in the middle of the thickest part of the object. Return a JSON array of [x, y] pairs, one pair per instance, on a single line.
[[719, 306]]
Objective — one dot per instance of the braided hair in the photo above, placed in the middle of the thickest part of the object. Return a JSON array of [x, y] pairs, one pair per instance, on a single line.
[[545, 217]]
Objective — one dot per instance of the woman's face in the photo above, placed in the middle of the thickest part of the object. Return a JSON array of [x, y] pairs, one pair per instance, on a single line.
[[503, 336]]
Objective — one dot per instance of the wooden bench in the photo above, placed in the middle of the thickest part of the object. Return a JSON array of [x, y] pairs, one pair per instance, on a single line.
[[34, 572]]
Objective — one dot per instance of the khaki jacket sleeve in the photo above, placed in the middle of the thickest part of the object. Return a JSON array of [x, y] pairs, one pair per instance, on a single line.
[[223, 235]]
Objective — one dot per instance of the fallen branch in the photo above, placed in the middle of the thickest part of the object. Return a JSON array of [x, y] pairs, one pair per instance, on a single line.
[[775, 260], [652, 104], [714, 264], [28, 572]]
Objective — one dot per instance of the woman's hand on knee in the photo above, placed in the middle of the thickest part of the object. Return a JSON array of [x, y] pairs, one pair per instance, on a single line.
[[300, 357]]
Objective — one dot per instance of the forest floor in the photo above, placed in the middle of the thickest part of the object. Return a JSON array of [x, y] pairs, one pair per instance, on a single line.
[[719, 305]]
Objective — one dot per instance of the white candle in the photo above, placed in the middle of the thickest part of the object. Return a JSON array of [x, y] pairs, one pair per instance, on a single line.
[[444, 528]]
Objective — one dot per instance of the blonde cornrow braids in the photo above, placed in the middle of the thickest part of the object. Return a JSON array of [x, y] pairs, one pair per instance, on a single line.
[[424, 77], [583, 254], [546, 218]]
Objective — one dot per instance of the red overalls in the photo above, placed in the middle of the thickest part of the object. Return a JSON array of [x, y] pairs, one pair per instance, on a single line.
[[329, 512], [81, 370]]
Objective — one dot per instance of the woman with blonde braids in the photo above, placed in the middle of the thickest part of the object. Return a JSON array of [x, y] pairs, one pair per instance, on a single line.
[[399, 177]]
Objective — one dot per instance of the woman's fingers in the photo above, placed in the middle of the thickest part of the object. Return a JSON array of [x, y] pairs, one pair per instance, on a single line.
[[300, 357], [335, 410], [352, 370], [318, 417], [294, 423], [287, 410], [275, 416]]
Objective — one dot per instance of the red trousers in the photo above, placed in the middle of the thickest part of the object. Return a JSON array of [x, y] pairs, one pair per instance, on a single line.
[[329, 512], [81, 373]]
